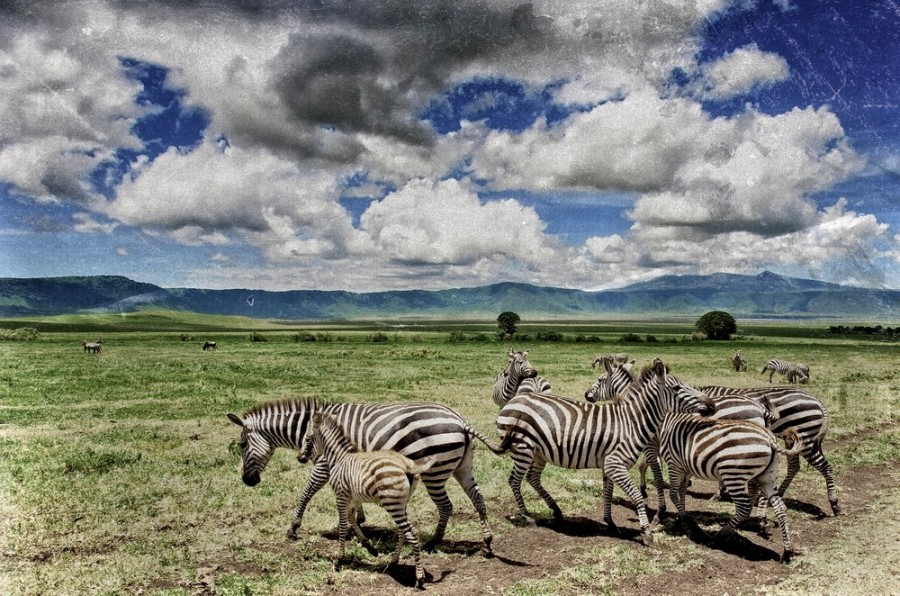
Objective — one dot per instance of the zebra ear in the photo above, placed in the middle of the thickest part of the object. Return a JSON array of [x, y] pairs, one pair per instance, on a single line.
[[608, 366], [234, 418]]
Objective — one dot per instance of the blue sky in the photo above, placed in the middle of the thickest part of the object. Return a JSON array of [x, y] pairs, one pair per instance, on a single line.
[[556, 143]]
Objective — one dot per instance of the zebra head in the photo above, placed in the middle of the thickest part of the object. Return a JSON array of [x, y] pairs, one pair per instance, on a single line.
[[256, 450], [611, 383], [680, 396], [519, 367]]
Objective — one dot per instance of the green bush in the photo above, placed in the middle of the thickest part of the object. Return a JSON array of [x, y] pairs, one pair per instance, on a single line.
[[20, 334], [630, 338], [716, 324], [254, 336], [377, 337]]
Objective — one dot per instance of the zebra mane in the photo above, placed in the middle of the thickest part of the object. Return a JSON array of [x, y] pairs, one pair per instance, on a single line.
[[284, 406]]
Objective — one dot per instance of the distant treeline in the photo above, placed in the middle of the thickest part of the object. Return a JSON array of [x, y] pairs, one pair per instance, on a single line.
[[876, 330]]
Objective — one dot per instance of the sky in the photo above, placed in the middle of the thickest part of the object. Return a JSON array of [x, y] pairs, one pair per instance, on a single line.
[[367, 146]]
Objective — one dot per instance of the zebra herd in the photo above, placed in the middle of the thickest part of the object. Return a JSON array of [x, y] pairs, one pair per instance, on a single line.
[[374, 452]]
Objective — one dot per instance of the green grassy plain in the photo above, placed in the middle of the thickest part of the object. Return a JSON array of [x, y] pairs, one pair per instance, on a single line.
[[118, 472]]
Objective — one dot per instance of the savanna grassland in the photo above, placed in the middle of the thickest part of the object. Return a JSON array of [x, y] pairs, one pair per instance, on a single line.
[[118, 470]]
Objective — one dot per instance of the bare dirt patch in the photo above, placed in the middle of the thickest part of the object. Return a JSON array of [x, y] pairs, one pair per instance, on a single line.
[[743, 566]]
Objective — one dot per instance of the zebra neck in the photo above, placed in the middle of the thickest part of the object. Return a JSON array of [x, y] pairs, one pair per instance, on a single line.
[[337, 445], [285, 429]]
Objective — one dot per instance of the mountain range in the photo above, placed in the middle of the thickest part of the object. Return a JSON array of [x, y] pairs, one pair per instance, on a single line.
[[766, 295]]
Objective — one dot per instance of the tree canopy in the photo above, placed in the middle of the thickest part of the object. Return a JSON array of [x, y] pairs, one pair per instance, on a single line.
[[508, 322], [716, 324]]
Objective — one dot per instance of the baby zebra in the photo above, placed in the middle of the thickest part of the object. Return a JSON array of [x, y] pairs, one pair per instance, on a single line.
[[741, 455], [737, 362], [384, 477], [793, 373]]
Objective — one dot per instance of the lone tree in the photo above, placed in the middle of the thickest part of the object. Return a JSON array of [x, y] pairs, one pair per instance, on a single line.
[[716, 324], [508, 323]]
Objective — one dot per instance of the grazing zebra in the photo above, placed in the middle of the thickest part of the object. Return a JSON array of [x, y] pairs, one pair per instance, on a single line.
[[519, 377], [210, 345], [794, 373], [416, 430], [802, 413], [620, 358], [741, 455], [729, 406], [737, 362], [92, 346], [384, 477], [540, 429]]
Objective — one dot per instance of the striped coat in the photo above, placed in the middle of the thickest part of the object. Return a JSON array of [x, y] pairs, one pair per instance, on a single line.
[[540, 429], [384, 477], [802, 413], [793, 373], [518, 378], [741, 455], [417, 430]]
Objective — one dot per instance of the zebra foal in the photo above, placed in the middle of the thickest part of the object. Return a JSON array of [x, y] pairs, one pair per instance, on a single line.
[[417, 430], [740, 455], [540, 429], [518, 377], [793, 373], [384, 477]]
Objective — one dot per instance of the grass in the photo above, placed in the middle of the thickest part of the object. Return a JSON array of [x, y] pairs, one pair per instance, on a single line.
[[118, 474]]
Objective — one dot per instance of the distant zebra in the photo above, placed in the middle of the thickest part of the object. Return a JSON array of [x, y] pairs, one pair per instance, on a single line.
[[416, 430], [739, 454], [519, 377], [794, 373], [540, 429], [802, 413], [92, 346], [737, 362], [384, 477], [210, 345]]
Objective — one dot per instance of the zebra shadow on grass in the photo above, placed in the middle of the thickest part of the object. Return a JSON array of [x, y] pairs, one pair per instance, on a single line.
[[732, 544]]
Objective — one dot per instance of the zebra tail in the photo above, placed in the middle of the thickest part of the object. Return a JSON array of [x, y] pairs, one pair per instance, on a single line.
[[792, 436], [771, 414], [422, 467], [498, 449]]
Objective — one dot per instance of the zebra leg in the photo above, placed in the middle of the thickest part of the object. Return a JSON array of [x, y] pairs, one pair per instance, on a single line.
[[522, 461], [317, 479], [766, 483], [642, 476], [533, 476], [608, 486], [759, 497], [344, 513], [463, 475], [651, 458], [437, 490], [407, 530], [353, 522], [737, 488], [617, 471], [816, 459]]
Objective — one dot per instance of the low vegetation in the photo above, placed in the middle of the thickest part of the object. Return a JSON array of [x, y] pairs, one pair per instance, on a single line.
[[118, 470]]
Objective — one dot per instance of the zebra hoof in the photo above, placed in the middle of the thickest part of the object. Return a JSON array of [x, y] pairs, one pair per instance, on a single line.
[[292, 534], [521, 520], [431, 545], [646, 538], [486, 549], [836, 507], [787, 555]]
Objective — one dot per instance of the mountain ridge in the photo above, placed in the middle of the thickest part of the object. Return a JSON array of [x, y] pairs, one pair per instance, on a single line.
[[763, 295]]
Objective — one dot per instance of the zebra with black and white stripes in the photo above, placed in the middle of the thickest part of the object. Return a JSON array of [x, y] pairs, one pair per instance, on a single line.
[[518, 378], [739, 454], [729, 406], [802, 413], [793, 372], [540, 429], [384, 477], [417, 430]]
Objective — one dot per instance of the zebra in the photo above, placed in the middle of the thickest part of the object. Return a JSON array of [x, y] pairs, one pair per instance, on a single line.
[[519, 377], [384, 477], [416, 430], [619, 358], [92, 346], [794, 373], [739, 454], [737, 362], [210, 345], [540, 429], [802, 413], [729, 406]]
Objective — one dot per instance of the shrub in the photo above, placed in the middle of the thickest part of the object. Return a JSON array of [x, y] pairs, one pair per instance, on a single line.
[[20, 334], [716, 324], [377, 337], [254, 336], [630, 338], [304, 336], [456, 337], [549, 336], [651, 339]]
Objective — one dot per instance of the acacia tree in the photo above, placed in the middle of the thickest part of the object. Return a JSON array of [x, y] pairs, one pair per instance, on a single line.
[[508, 322], [716, 324]]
